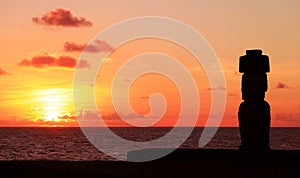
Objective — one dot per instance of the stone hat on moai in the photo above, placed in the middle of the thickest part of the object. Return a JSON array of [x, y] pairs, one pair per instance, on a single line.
[[254, 65]]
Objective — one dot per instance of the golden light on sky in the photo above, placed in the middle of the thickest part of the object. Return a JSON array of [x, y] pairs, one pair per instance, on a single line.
[[39, 53], [53, 104]]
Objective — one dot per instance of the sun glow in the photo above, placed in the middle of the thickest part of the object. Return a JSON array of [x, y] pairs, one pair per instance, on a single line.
[[53, 105], [52, 116]]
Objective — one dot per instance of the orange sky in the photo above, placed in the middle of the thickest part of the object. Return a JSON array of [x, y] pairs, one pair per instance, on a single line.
[[37, 63]]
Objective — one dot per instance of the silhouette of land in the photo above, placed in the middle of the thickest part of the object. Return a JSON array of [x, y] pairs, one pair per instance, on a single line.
[[180, 163]]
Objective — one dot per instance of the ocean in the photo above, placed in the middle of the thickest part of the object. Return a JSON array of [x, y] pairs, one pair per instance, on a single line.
[[69, 144]]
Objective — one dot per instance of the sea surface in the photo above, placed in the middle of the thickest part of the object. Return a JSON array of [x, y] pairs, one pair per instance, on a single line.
[[71, 144]]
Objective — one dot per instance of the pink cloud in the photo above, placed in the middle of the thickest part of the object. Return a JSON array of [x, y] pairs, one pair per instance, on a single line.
[[95, 47], [98, 46], [73, 47], [281, 86], [61, 17], [66, 61], [45, 60], [83, 64]]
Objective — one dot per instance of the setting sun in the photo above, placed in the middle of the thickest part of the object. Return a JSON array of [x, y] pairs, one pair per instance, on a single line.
[[52, 105], [52, 116]]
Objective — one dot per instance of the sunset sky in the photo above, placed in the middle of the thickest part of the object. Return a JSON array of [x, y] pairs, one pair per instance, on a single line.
[[39, 52]]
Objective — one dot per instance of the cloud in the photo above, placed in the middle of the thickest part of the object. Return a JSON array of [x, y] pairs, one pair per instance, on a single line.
[[66, 61], [145, 97], [83, 64], [67, 117], [61, 17], [73, 47], [287, 117], [116, 116], [3, 72], [92, 119], [46, 60], [232, 94], [98, 46], [220, 88], [95, 47], [127, 80], [14, 121], [281, 86]]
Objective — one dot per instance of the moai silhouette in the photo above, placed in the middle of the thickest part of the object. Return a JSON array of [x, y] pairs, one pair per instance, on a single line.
[[254, 113]]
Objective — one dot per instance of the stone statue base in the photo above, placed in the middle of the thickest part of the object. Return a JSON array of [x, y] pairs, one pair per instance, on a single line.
[[254, 123]]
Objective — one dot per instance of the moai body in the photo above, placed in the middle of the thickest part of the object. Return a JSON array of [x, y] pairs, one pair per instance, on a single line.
[[254, 113]]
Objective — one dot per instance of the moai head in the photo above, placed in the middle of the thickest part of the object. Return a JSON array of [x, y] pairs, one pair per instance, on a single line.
[[254, 62], [254, 65]]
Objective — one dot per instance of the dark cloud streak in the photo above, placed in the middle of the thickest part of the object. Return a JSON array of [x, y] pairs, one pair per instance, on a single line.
[[220, 88]]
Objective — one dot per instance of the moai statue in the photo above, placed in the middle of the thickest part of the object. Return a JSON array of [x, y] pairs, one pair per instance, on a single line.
[[254, 113]]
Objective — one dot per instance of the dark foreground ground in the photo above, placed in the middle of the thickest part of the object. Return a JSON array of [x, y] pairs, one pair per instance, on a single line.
[[181, 163]]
